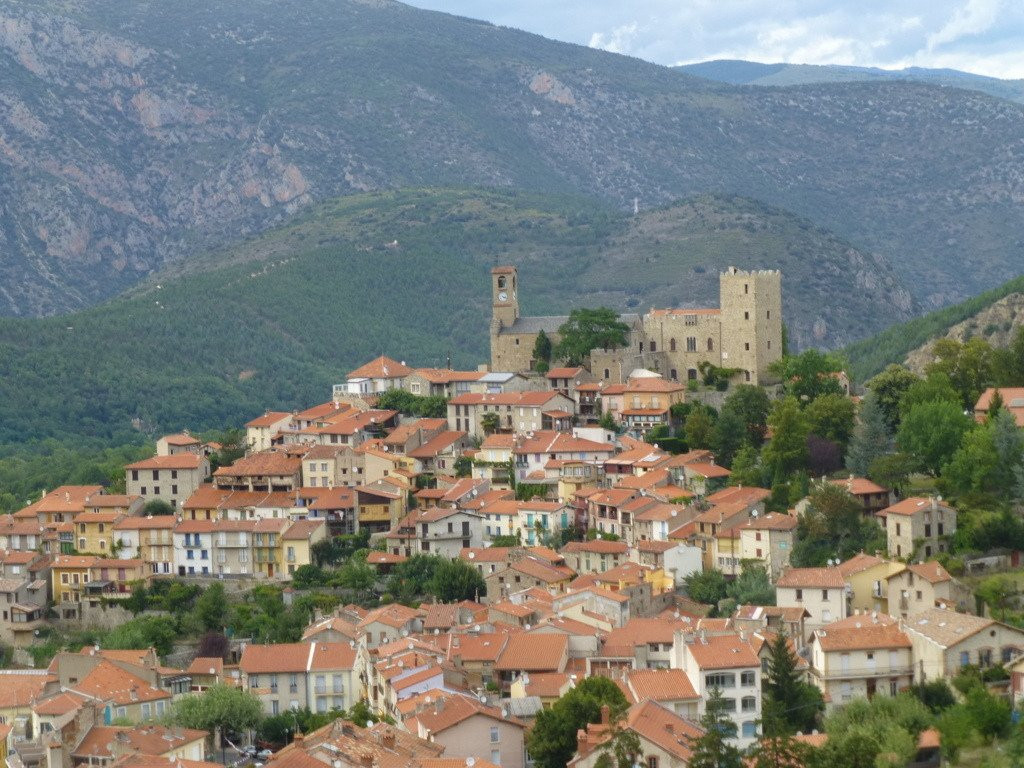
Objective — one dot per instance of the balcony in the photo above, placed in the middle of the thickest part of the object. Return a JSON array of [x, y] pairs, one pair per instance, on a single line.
[[881, 673]]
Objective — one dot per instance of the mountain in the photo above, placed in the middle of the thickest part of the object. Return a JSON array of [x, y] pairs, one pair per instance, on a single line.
[[136, 136], [994, 315], [740, 72], [278, 319]]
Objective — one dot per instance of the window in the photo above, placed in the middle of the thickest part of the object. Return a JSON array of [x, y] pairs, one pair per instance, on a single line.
[[711, 344], [274, 710], [746, 346], [652, 762], [965, 658], [747, 679], [654, 346], [496, 756], [675, 377], [748, 704], [607, 374], [691, 343], [799, 594], [720, 680], [691, 374], [494, 734], [728, 705], [746, 315], [749, 729], [672, 345], [824, 594]]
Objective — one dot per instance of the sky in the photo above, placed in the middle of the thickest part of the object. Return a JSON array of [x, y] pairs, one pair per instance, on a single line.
[[981, 36]]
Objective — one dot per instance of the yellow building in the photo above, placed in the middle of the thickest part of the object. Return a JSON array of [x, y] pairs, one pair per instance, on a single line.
[[69, 574], [727, 551], [867, 578], [297, 543], [94, 531], [266, 546], [380, 506]]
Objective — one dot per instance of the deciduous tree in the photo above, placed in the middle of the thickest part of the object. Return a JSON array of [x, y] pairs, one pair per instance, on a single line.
[[588, 329]]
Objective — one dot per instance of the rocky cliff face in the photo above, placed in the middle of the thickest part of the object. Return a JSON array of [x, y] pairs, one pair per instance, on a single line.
[[134, 135], [997, 324]]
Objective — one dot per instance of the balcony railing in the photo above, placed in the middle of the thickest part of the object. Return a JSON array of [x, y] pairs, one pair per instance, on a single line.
[[864, 672]]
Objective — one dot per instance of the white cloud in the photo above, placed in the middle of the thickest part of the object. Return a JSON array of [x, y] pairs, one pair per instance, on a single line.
[[984, 36], [974, 17], [619, 40]]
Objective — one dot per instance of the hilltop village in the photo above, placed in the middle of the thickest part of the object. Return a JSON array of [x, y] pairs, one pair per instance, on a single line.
[[651, 553]]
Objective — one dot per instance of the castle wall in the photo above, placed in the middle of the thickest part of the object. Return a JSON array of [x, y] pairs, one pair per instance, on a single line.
[[687, 339]]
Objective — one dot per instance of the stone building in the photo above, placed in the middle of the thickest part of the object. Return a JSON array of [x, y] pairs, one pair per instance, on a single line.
[[744, 332]]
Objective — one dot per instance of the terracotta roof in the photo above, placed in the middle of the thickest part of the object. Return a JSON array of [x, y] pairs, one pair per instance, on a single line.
[[547, 685], [930, 571], [394, 615], [658, 725], [132, 523], [483, 647], [295, 657], [59, 704], [174, 461], [534, 653], [867, 636], [912, 506], [382, 367], [858, 563], [542, 571], [66, 498], [262, 464], [108, 681], [269, 419], [749, 495], [20, 689], [858, 486], [206, 666], [811, 578], [146, 739], [302, 530], [660, 685], [722, 652]]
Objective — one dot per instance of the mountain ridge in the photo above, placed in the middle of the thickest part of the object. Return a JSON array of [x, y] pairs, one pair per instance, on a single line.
[[139, 136]]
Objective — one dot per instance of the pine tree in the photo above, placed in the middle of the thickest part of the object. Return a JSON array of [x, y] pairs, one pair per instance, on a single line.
[[712, 748], [793, 704], [542, 352], [871, 437]]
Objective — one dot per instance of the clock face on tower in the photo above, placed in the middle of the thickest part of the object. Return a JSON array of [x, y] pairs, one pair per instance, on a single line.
[[503, 296]]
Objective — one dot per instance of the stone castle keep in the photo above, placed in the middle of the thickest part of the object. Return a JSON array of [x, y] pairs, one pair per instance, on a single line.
[[744, 332]]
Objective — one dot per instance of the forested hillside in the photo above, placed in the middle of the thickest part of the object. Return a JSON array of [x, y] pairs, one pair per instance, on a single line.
[[893, 345], [139, 134], [275, 321]]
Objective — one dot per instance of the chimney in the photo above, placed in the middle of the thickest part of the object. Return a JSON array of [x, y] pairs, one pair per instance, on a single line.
[[606, 714], [669, 728], [935, 504], [297, 738]]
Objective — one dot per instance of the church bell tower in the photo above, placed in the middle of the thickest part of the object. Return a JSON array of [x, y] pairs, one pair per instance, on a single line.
[[504, 299]]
